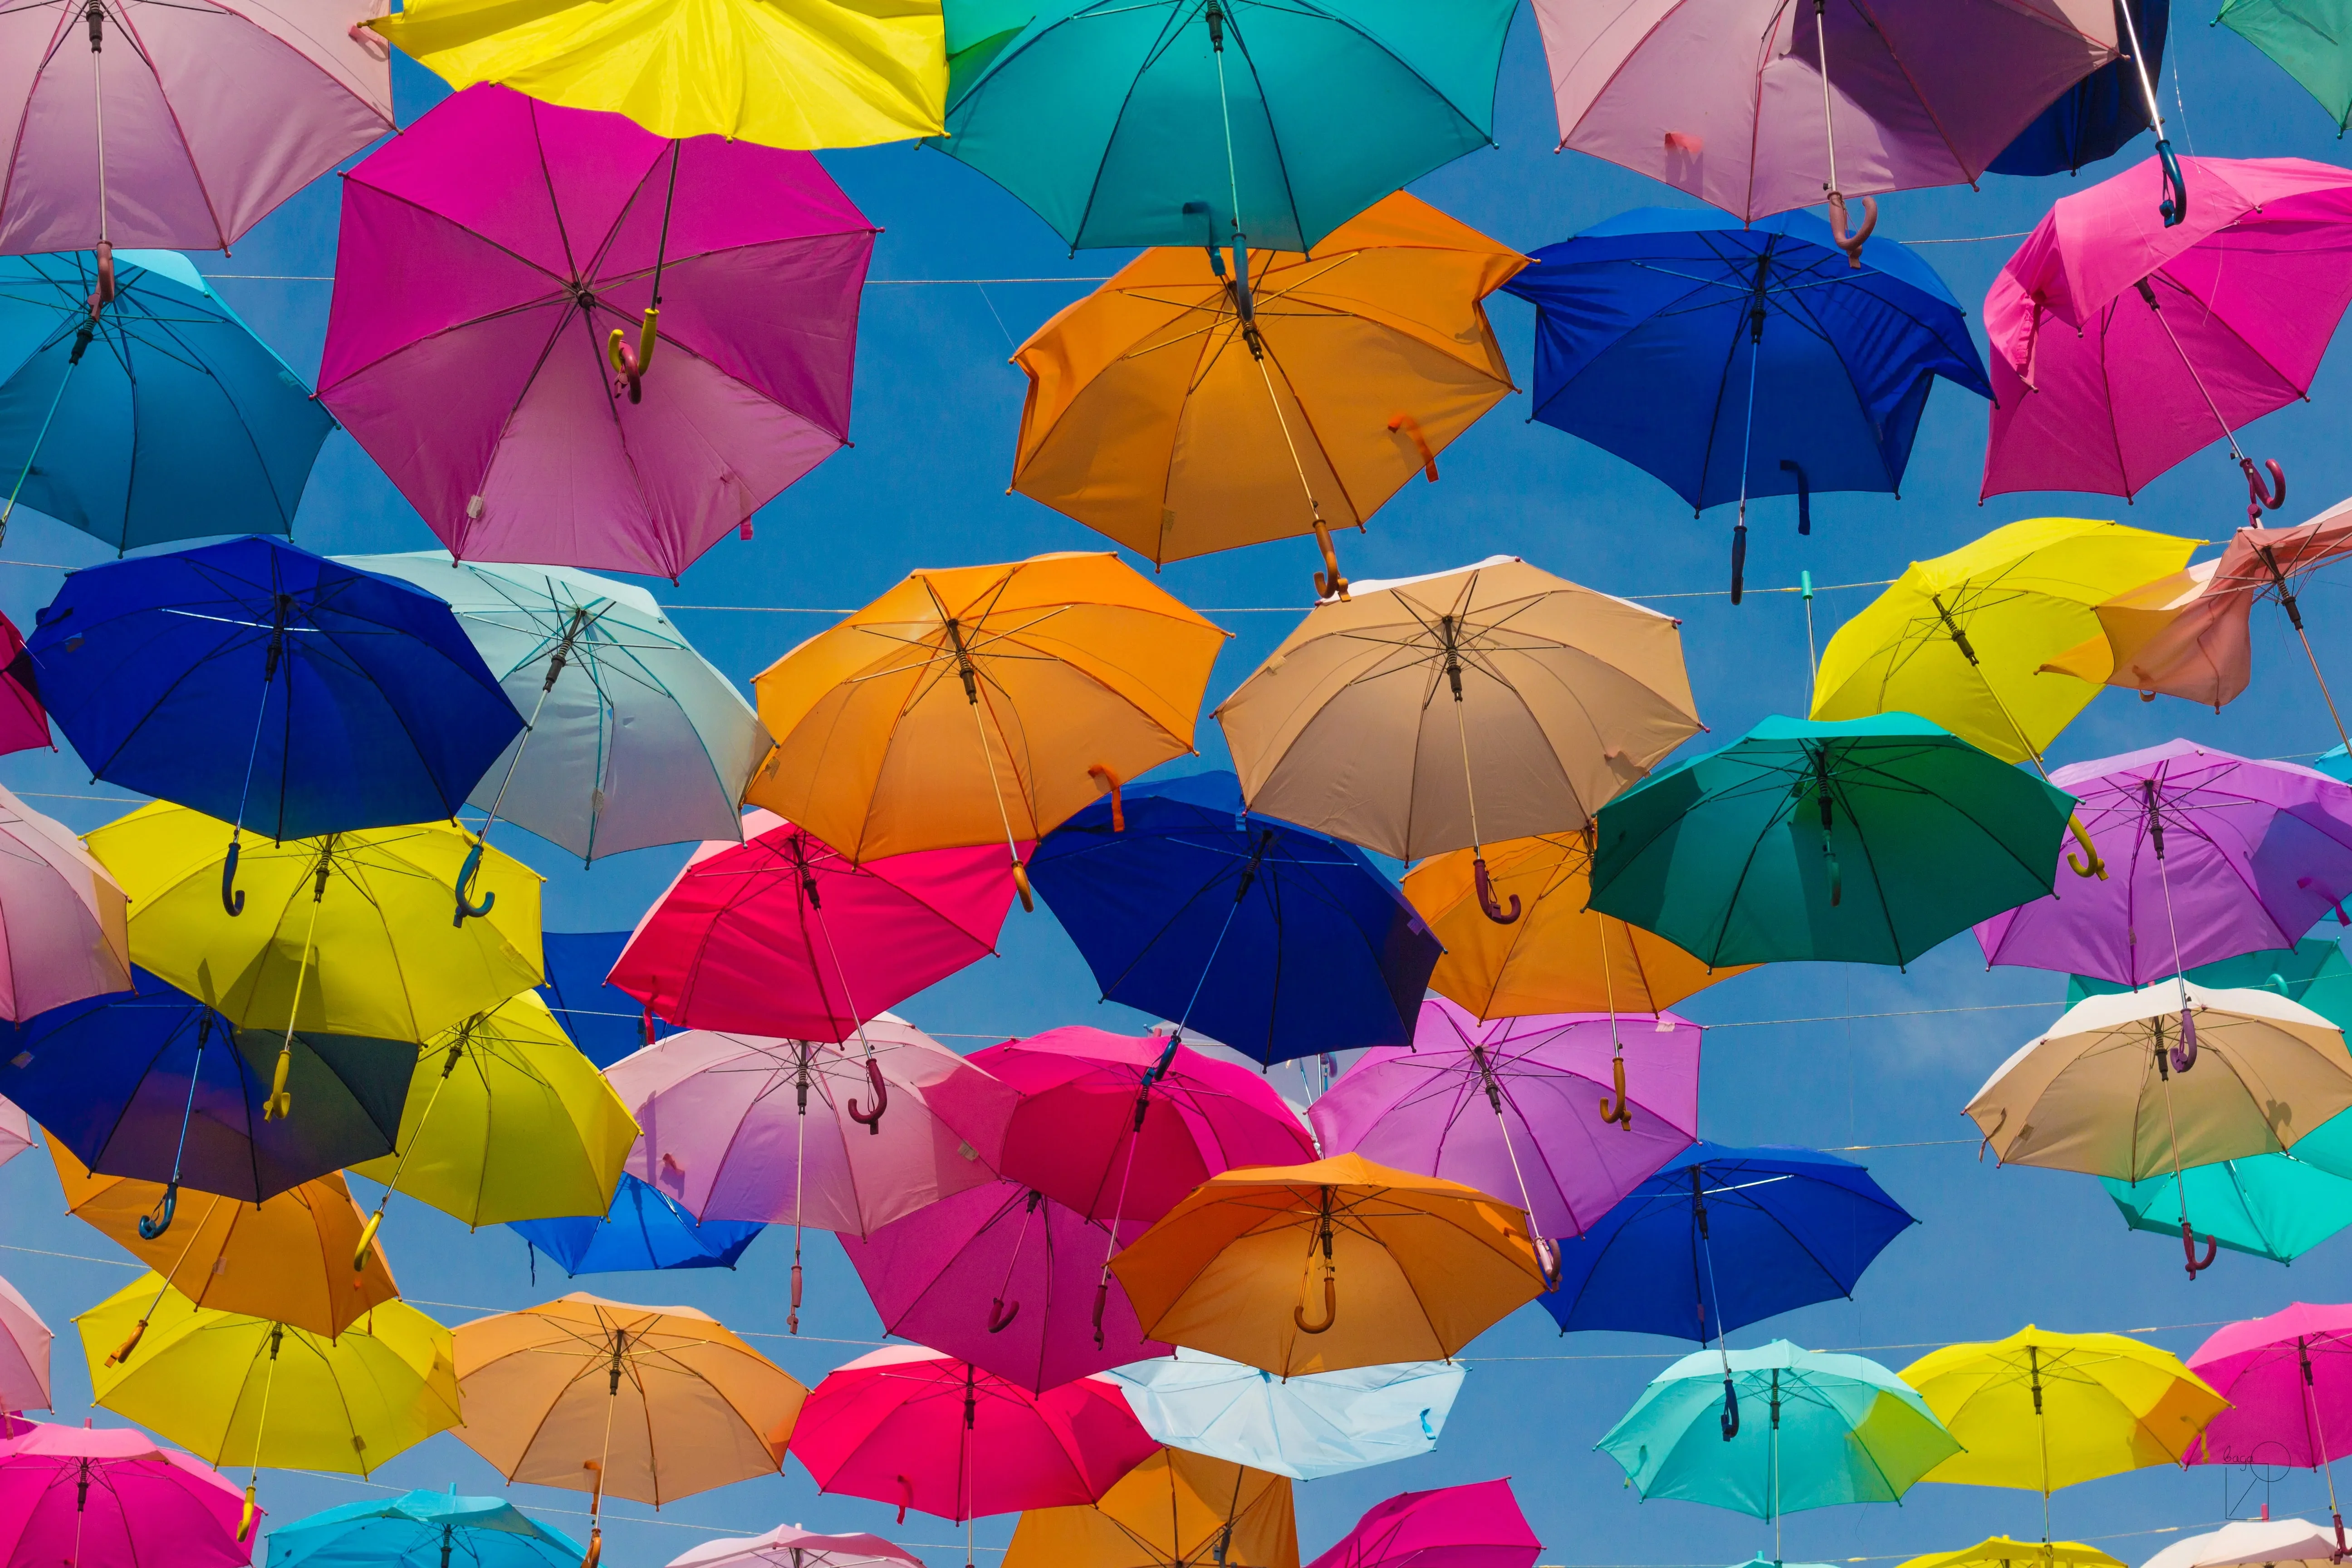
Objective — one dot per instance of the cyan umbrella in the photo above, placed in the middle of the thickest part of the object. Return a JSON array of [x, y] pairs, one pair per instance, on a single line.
[[2272, 1206], [422, 1530], [645, 1229], [605, 1022], [162, 418], [1307, 1427]]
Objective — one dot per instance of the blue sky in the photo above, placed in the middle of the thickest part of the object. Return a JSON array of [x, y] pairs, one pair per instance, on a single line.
[[1871, 1058]]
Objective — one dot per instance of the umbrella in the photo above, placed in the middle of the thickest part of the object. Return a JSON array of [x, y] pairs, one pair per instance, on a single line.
[[1164, 123], [1721, 1238], [161, 418], [1323, 1424], [648, 1403], [1743, 855], [1358, 725], [1560, 956], [2270, 1542], [422, 1530], [73, 1495], [1960, 640], [605, 1022], [2179, 334], [496, 410], [782, 934], [2000, 1551], [1182, 409], [63, 933], [24, 1353], [645, 1229], [789, 1546], [1662, 334], [1412, 1267], [1004, 1278], [15, 1131], [139, 146], [2270, 1206], [798, 75], [2302, 36], [2288, 1379], [2098, 116], [1175, 1510], [1507, 1107], [24, 722], [1276, 941], [1474, 1525], [1071, 674], [632, 738]]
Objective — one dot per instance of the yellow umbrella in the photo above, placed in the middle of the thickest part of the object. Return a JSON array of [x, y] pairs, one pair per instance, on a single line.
[[1960, 641], [980, 704], [1176, 1509], [2000, 1551]]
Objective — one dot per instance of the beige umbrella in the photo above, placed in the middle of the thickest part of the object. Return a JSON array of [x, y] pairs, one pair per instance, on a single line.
[[1443, 712]]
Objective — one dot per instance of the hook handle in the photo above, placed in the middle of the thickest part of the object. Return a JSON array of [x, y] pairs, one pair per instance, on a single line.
[[1486, 900], [792, 1317], [104, 294], [248, 1516], [1330, 1310], [2097, 867], [153, 1226], [1739, 560], [122, 1352], [1109, 782], [1851, 244], [1020, 886], [367, 1237], [905, 1498], [1621, 1113], [1804, 494], [872, 1120], [2262, 497], [633, 362], [1102, 1302], [1727, 1419], [465, 875], [1411, 426], [2188, 1246], [2175, 206], [1329, 583], [2184, 1054], [1000, 1318], [595, 1546], [1549, 1263], [231, 899], [281, 1104]]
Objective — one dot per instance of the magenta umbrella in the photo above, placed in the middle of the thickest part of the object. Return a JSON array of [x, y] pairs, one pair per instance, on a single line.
[[2288, 1379], [2206, 856], [1474, 1525], [1004, 1277], [78, 1496], [24, 1353], [495, 262], [1523, 1107], [2121, 346]]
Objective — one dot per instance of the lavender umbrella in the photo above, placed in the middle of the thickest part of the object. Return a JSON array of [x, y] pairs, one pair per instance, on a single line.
[[2196, 855]]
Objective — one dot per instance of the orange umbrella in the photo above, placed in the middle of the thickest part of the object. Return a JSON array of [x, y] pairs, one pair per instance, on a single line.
[[1336, 1264], [1176, 1509], [1184, 407]]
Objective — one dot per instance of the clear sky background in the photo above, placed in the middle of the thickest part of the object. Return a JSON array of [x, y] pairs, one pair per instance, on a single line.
[[1821, 1055]]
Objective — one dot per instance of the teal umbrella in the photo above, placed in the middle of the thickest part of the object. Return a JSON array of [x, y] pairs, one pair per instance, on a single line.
[[2313, 972], [2310, 39], [1866, 841], [2272, 1205], [1126, 123]]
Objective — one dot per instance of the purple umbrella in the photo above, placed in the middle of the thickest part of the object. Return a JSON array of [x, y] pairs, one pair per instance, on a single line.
[[2196, 855], [1565, 1113], [495, 262], [1004, 1278], [1476, 1526]]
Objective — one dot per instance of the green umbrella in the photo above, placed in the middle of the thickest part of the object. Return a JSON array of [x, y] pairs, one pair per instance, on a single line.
[[2310, 39], [2272, 1205], [1866, 841]]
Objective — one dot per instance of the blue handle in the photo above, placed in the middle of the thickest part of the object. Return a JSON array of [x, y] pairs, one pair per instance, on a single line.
[[1804, 494], [2175, 206], [466, 874], [151, 1228], [231, 899]]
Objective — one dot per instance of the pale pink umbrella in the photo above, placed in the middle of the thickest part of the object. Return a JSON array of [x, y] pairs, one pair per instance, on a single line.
[[789, 1546], [15, 1131], [24, 1353], [2288, 1379], [64, 935], [113, 1497], [493, 262], [2122, 346]]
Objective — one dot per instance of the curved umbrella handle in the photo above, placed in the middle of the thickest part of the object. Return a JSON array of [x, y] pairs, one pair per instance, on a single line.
[[1486, 900], [248, 1516], [1108, 781], [1739, 560], [1727, 1419], [1330, 1310], [793, 1317], [280, 1103], [1621, 1113], [1549, 1263], [2188, 1246], [2262, 497], [1102, 1304], [1804, 494], [595, 1546], [104, 294], [2184, 1054], [1329, 583], [2175, 206], [1020, 886], [999, 1318], [153, 1226], [1851, 244], [232, 900], [122, 1352], [905, 1498], [872, 1120], [465, 875], [2097, 867], [367, 1235], [2341, 1550], [1411, 426], [1837, 877], [632, 363]]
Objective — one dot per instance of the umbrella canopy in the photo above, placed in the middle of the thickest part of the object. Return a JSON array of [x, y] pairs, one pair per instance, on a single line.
[[162, 417], [2270, 1206], [2299, 34], [1272, 940], [24, 722], [15, 1131], [789, 1546], [795, 75], [605, 1022], [24, 1353], [421, 1529], [165, 673], [2199, 856], [782, 934], [634, 737], [2099, 115], [1175, 1510], [1411, 1267], [77, 1494], [908, 1427], [2271, 1542], [2000, 1551], [1162, 123], [2039, 1411], [1869, 841], [2180, 335], [1182, 411], [496, 410], [1960, 640], [365, 918], [144, 128], [64, 936], [2288, 1379], [645, 1229], [1559, 955], [1348, 728], [1723, 1237], [1506, 1108], [980, 704], [1474, 1525], [1323, 1424], [1776, 1430]]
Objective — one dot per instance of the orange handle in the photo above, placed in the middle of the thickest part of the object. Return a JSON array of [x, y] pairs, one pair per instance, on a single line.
[[1330, 1310], [1109, 782], [1411, 426]]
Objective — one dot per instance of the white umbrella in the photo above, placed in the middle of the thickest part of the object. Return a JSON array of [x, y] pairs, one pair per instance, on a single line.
[[1307, 1427], [2242, 1544]]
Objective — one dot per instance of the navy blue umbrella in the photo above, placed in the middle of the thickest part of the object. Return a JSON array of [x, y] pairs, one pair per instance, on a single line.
[[1720, 1238], [1273, 940], [646, 1230], [2099, 114], [1734, 361], [605, 1022]]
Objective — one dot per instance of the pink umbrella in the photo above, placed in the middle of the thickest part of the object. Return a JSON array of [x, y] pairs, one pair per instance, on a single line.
[[24, 722], [495, 259], [782, 934], [1474, 1525], [1546, 1109], [75, 1495], [15, 1131], [1004, 1277], [64, 935], [2288, 1379], [24, 1353], [2121, 346], [842, 1137], [213, 112], [789, 1546]]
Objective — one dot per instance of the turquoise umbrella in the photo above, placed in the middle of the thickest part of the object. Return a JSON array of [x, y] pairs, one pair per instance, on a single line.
[[1128, 122], [2272, 1205], [1866, 841]]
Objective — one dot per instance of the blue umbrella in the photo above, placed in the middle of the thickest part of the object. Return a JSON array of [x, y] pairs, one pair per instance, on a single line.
[[1721, 1238], [422, 1530], [646, 1230], [1322, 1424], [1273, 940], [162, 418], [605, 1022], [2097, 116], [1735, 360]]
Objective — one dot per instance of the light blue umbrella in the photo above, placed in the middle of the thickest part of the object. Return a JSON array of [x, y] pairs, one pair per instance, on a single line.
[[422, 1530], [1304, 1427], [2272, 1205]]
